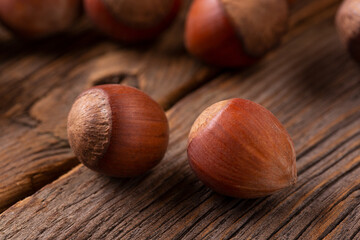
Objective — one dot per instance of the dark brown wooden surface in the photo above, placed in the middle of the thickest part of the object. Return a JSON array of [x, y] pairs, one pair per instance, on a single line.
[[309, 83]]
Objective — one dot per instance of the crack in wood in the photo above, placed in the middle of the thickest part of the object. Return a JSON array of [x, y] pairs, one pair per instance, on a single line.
[[355, 233], [325, 233], [322, 190], [121, 78], [333, 150], [257, 212]]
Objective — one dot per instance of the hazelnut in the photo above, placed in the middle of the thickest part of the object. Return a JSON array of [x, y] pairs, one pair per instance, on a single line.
[[348, 26], [39, 18], [130, 20], [231, 33], [117, 130], [240, 149]]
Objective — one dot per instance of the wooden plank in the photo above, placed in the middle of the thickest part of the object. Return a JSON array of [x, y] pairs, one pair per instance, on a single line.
[[309, 83], [40, 80]]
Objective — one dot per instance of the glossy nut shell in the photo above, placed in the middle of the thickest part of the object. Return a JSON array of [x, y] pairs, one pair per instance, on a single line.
[[231, 33], [239, 149], [117, 130]]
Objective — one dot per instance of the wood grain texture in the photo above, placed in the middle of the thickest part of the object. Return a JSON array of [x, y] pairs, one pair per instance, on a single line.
[[309, 83], [40, 80]]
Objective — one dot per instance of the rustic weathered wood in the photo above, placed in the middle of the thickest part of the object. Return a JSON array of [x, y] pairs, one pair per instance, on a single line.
[[309, 83], [40, 80]]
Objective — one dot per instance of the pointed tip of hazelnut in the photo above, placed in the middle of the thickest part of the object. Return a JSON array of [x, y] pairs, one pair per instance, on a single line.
[[293, 180], [89, 126]]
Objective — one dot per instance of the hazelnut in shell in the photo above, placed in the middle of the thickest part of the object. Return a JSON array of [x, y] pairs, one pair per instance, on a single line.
[[240, 149], [39, 18], [232, 33], [117, 130], [132, 20]]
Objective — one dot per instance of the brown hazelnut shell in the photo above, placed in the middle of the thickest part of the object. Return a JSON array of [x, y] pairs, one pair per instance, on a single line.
[[232, 33], [117, 130], [39, 18], [239, 149], [348, 26], [132, 21]]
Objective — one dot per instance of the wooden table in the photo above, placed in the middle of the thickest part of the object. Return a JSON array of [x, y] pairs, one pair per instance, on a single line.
[[309, 82]]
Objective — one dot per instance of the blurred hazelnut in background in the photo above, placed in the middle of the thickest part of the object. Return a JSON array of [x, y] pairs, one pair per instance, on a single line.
[[39, 18]]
